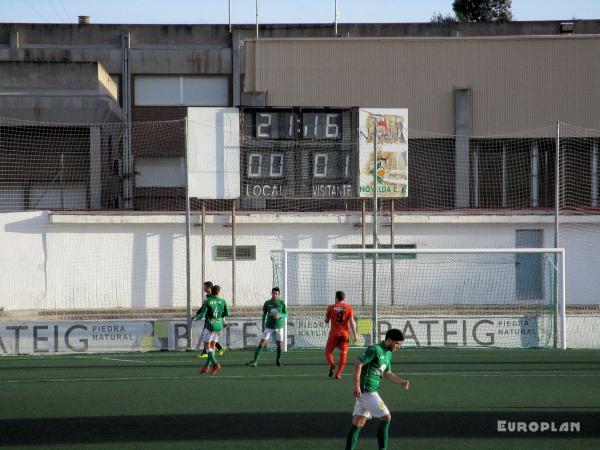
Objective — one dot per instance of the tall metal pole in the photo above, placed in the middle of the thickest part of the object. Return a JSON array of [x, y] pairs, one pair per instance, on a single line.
[[563, 302], [256, 19], [188, 278], [336, 17], [556, 229], [127, 168], [203, 244], [364, 246], [375, 321], [392, 262], [229, 16], [557, 185], [62, 180], [233, 252]]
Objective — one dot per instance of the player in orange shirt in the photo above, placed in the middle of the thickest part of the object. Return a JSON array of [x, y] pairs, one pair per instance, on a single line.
[[340, 315]]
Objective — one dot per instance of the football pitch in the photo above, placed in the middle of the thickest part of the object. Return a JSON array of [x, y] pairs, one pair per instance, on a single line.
[[458, 399]]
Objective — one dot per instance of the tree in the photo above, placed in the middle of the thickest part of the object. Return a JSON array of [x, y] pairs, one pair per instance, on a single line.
[[439, 17], [482, 10]]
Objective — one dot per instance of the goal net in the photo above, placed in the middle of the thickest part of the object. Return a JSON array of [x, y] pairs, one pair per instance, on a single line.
[[439, 298]]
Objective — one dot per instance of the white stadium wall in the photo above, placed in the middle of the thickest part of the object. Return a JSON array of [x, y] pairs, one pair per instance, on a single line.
[[63, 262]]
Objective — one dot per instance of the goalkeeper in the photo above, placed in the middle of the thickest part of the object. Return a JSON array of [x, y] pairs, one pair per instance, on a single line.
[[273, 320], [369, 369], [207, 294]]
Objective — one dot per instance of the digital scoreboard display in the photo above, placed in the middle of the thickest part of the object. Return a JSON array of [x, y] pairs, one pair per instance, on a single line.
[[294, 125]]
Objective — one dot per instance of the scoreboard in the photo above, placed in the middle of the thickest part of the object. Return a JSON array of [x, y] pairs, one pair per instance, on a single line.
[[298, 153]]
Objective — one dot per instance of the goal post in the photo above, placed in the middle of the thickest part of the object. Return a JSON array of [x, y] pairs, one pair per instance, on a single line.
[[473, 297]]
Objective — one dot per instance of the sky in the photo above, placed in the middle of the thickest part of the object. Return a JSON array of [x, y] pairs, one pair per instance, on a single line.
[[271, 11]]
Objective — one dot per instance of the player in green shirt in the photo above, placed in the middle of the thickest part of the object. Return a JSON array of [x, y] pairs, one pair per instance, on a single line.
[[213, 310], [273, 320], [369, 369], [207, 288]]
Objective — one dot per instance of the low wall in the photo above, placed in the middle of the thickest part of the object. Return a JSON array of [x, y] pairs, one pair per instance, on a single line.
[[22, 337]]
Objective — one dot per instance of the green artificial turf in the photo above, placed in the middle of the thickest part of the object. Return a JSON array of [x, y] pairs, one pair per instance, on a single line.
[[157, 401]]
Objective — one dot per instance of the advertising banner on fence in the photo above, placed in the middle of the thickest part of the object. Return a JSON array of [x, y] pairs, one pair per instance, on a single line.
[[388, 170], [303, 331]]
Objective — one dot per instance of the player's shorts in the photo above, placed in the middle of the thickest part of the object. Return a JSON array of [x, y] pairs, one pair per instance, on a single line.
[[370, 404], [210, 336], [339, 341], [276, 332]]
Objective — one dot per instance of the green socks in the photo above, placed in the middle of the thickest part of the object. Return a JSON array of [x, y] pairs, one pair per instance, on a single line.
[[257, 352], [211, 359], [382, 434], [352, 437]]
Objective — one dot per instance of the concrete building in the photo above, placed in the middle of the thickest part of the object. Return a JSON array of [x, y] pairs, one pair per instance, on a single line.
[[151, 73]]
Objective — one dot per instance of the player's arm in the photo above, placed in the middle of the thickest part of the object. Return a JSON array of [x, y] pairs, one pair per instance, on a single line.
[[356, 377], [202, 311], [366, 358], [264, 317], [225, 310], [284, 312], [396, 379], [354, 328], [328, 315]]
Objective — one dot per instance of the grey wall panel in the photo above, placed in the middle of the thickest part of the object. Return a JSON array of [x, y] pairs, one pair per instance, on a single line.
[[518, 84]]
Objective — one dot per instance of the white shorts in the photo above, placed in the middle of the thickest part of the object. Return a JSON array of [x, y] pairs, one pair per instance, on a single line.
[[277, 332], [370, 404], [210, 336]]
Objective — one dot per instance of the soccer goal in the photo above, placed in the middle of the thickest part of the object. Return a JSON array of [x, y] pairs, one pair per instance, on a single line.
[[513, 298]]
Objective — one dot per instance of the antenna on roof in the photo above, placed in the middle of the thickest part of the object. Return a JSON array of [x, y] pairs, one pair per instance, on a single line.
[[336, 12]]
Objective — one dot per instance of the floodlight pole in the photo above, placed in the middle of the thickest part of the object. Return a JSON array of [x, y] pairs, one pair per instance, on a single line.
[[375, 321], [256, 19]]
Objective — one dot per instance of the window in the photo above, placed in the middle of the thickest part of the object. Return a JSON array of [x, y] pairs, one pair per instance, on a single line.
[[276, 165], [160, 172], [50, 196], [320, 169], [529, 265], [181, 90], [352, 256], [254, 163], [242, 253]]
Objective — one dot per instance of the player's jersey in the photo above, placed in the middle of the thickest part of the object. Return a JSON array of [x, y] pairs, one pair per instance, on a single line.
[[376, 360], [268, 319], [206, 296], [214, 309], [339, 316]]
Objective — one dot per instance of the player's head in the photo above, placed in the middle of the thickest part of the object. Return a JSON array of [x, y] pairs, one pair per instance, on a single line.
[[208, 286], [275, 293], [393, 339], [339, 296], [215, 290]]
